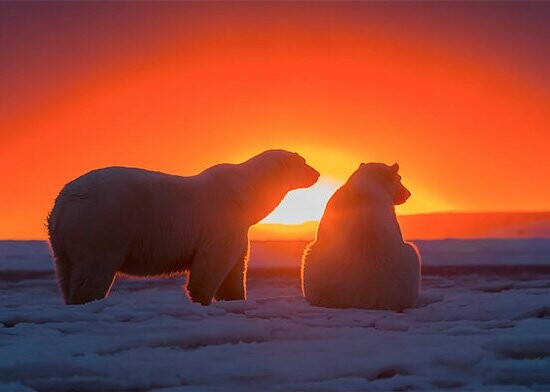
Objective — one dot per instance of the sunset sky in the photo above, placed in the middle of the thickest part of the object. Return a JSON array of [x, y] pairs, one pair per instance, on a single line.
[[457, 93]]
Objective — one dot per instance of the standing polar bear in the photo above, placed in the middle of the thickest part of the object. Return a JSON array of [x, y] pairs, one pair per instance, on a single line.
[[145, 223], [359, 258]]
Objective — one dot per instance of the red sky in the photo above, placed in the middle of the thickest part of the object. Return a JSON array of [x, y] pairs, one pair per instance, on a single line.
[[457, 93]]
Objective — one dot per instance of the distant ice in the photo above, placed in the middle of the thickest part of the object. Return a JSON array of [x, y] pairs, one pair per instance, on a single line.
[[450, 252], [469, 332], [25, 256]]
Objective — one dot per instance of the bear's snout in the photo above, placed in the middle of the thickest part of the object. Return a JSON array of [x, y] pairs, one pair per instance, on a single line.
[[311, 176], [401, 196]]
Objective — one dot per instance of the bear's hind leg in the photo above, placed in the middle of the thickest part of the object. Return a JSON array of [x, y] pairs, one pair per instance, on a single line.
[[234, 286], [89, 284], [212, 264]]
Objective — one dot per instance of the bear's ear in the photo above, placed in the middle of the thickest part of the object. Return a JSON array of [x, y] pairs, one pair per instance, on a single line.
[[395, 167]]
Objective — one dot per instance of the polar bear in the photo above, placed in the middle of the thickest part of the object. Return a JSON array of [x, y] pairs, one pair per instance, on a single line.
[[359, 258], [145, 223]]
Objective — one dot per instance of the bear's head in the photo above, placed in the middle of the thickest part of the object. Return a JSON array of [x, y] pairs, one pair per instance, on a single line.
[[269, 176], [289, 169], [379, 181], [299, 173]]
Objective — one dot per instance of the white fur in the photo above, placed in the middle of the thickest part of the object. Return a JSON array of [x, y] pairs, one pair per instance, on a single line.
[[146, 223], [359, 258]]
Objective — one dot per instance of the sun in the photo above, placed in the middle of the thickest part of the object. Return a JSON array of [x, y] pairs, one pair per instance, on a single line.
[[335, 166], [304, 205]]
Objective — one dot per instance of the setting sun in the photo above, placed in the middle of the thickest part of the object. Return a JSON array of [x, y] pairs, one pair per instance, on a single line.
[[303, 205]]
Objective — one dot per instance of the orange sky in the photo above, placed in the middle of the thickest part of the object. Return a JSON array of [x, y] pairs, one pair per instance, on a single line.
[[457, 93]]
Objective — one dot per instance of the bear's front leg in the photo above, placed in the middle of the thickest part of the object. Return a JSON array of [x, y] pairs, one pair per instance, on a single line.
[[212, 264], [234, 286]]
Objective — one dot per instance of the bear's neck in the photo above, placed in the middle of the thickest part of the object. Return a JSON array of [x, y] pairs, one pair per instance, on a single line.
[[263, 200]]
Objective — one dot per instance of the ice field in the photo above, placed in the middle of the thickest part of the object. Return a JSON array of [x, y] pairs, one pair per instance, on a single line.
[[482, 323]]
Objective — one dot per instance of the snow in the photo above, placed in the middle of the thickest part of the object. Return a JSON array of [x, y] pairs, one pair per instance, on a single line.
[[469, 331]]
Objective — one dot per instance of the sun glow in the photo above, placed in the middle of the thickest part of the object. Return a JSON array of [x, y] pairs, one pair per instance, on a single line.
[[338, 83], [422, 201], [303, 205], [307, 205]]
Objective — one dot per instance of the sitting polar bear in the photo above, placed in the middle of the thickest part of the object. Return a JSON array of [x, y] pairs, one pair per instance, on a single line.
[[146, 223], [359, 258]]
